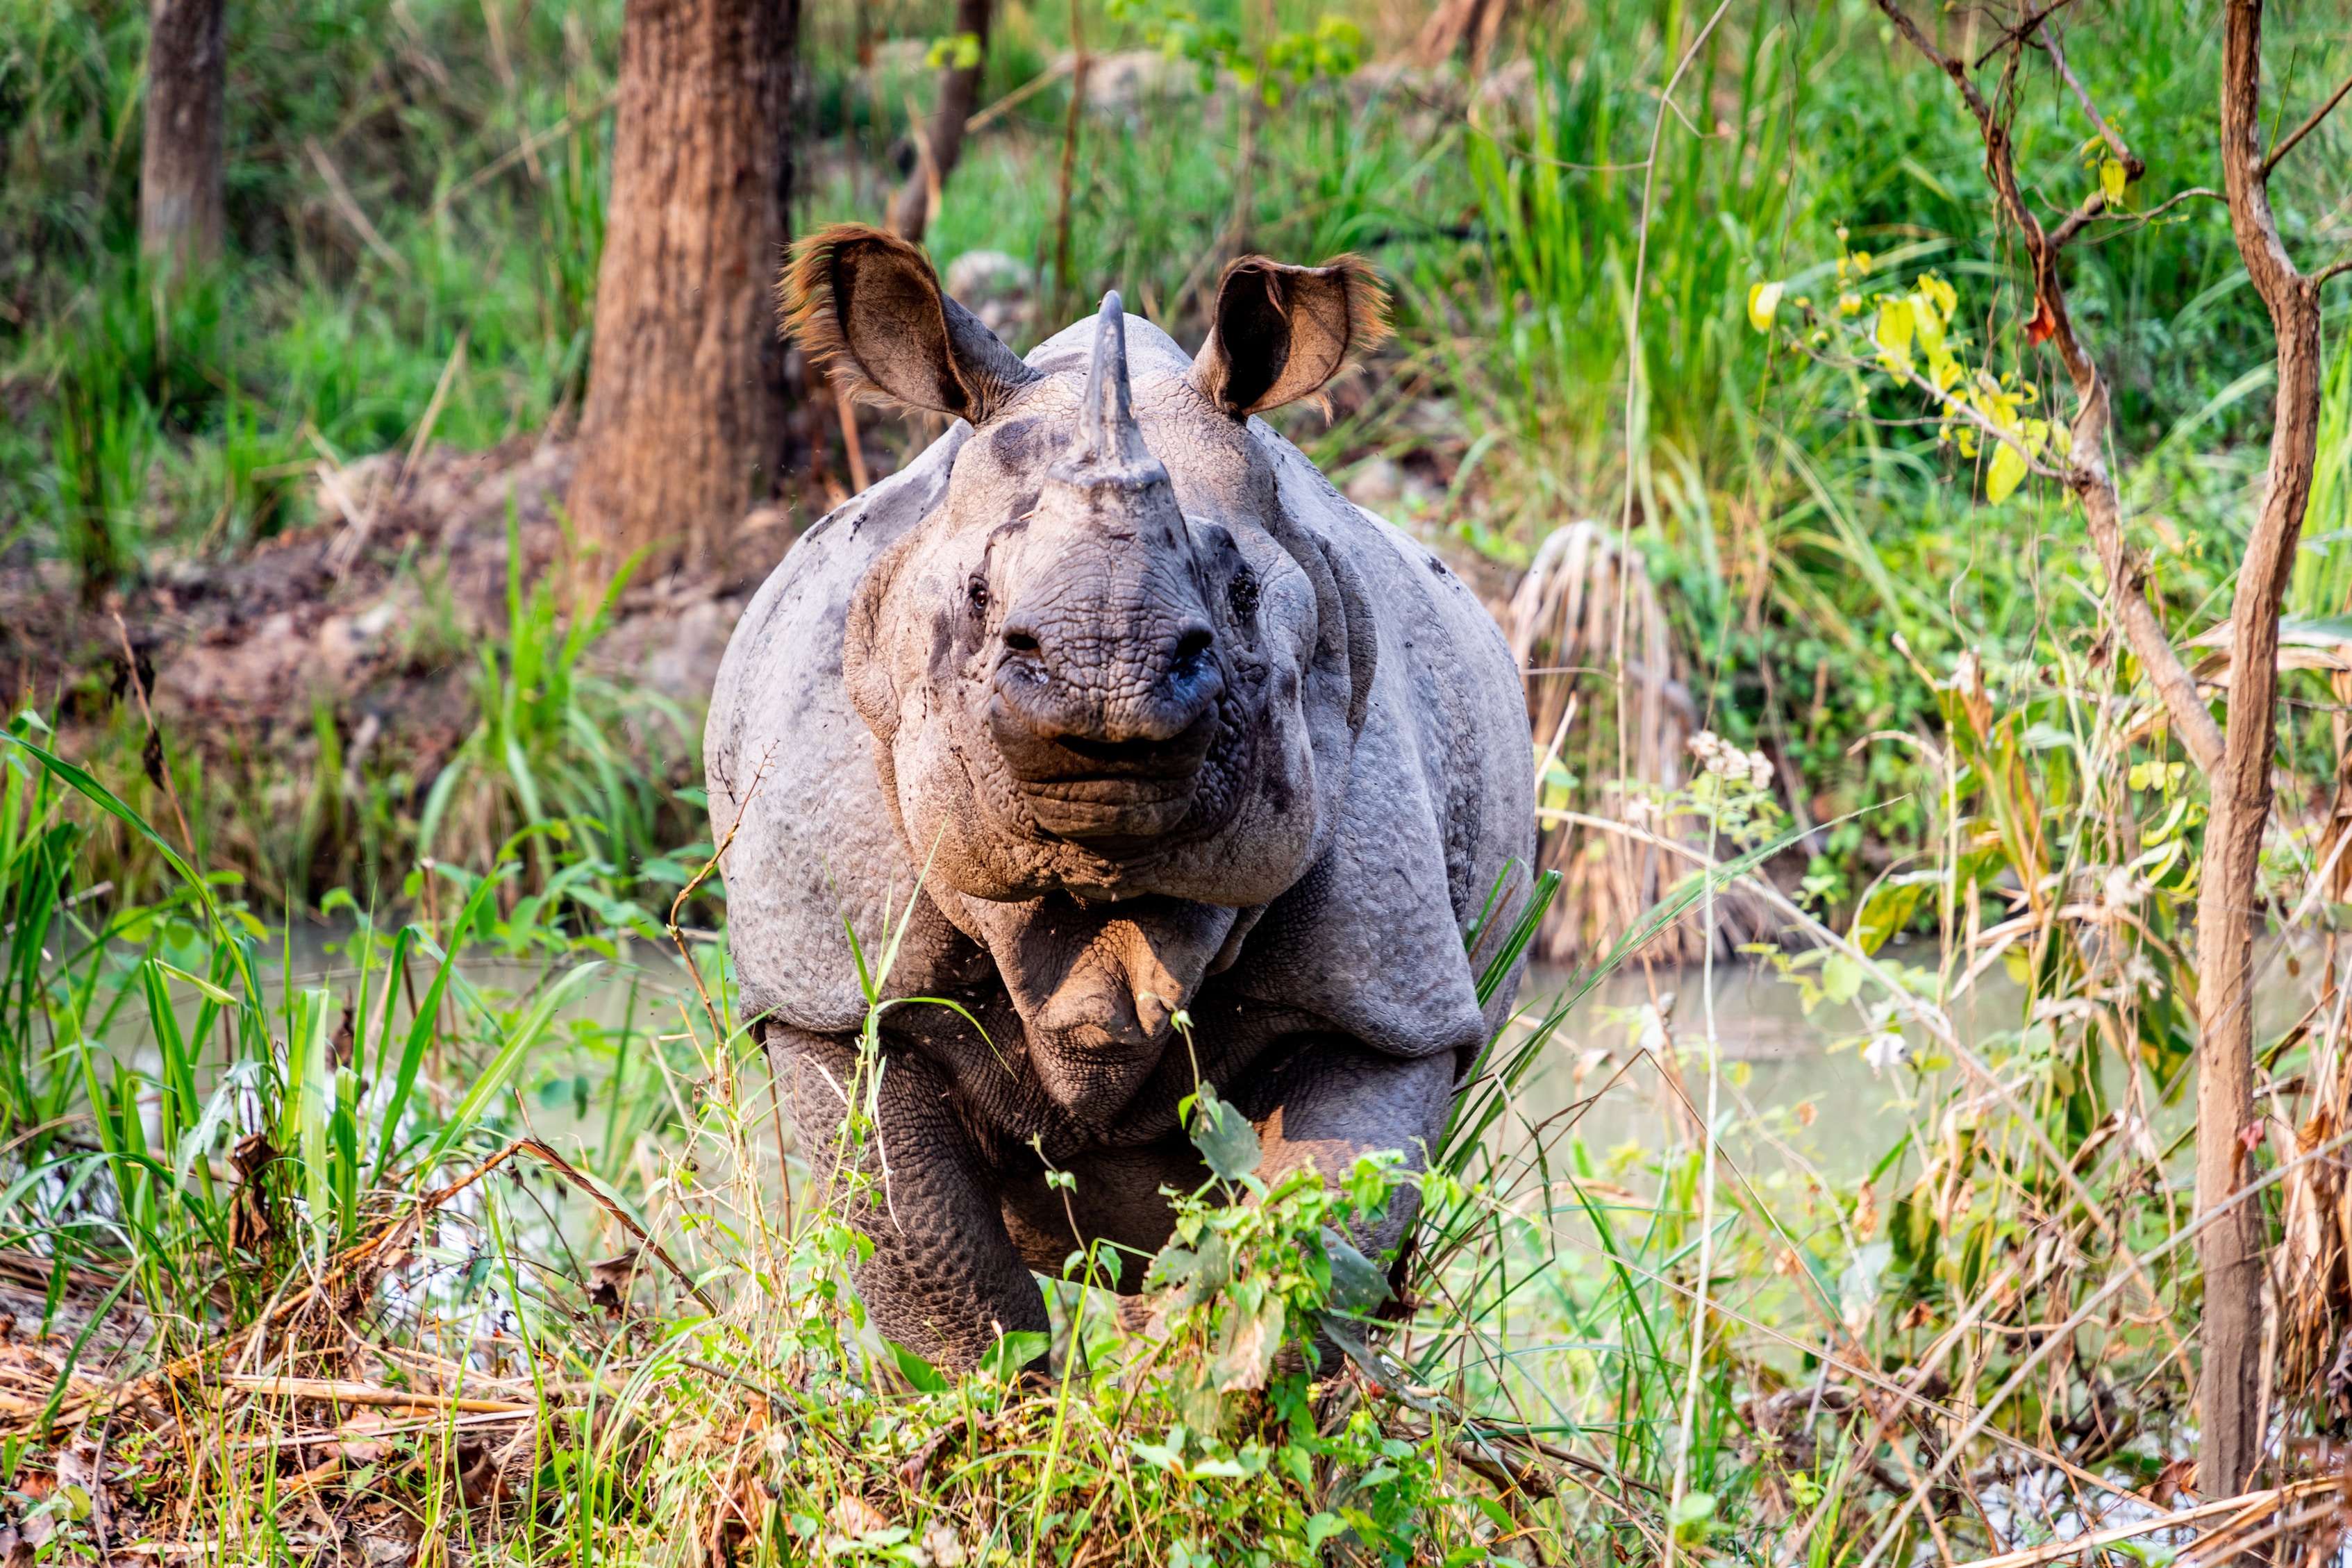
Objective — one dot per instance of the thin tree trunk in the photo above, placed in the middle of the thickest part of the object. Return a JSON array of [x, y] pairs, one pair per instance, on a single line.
[[1065, 279], [181, 201], [959, 96], [684, 424], [2229, 1413]]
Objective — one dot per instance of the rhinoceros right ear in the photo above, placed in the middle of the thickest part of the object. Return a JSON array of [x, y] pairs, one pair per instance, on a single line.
[[867, 305], [1282, 332]]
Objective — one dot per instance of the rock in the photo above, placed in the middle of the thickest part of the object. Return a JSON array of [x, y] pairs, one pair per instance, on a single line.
[[1377, 483], [998, 288]]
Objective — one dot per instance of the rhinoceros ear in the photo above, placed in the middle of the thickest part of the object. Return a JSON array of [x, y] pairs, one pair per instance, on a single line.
[[1282, 332], [867, 305]]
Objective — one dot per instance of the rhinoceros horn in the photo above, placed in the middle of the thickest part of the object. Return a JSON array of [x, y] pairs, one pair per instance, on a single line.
[[1110, 449]]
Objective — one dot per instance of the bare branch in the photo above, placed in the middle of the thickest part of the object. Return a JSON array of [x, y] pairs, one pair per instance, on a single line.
[[2330, 270], [2133, 165], [2094, 205], [2161, 208], [2305, 128], [2022, 30], [2087, 473]]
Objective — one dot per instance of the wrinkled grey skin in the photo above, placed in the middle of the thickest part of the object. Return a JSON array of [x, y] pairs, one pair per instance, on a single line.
[[1173, 725]]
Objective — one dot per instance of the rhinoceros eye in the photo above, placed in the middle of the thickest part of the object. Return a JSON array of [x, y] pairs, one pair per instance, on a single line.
[[1242, 595], [977, 591]]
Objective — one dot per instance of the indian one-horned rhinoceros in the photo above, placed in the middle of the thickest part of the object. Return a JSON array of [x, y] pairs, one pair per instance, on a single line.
[[1159, 722]]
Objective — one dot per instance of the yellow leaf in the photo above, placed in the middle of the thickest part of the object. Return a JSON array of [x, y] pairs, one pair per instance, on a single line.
[[1763, 303], [1944, 370], [1928, 323], [2002, 480], [1941, 294], [1894, 326], [2111, 182]]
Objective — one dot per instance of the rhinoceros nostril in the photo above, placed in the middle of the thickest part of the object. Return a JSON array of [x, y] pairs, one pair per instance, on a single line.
[[1021, 642], [1194, 645]]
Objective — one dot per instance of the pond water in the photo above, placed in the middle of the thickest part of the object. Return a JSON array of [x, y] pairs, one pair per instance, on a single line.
[[1795, 1086]]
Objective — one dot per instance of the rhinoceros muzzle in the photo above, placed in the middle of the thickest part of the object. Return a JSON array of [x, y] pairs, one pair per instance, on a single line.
[[1099, 790]]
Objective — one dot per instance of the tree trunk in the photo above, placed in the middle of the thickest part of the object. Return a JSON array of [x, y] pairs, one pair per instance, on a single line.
[[942, 140], [181, 201], [2230, 1417], [684, 424]]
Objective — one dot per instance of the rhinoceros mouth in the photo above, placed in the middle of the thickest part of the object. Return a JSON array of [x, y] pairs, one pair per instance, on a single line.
[[1104, 791], [1110, 811]]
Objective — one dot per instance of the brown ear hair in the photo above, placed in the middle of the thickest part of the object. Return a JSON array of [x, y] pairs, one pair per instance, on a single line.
[[1282, 332], [866, 305]]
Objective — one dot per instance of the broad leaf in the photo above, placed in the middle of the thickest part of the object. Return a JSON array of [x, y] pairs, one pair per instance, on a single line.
[[1763, 304], [925, 1377], [1009, 1357], [1357, 1283], [2007, 471], [1224, 1137]]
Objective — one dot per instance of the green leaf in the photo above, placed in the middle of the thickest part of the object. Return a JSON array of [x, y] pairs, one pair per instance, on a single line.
[[1690, 1515], [1224, 1137], [205, 986], [1763, 304], [1012, 1355], [1887, 909], [1841, 977], [925, 1377], [1322, 1527], [2008, 470], [1357, 1283]]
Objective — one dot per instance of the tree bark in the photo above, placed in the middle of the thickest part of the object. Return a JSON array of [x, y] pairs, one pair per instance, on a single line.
[[943, 137], [2229, 1418], [182, 203], [684, 423]]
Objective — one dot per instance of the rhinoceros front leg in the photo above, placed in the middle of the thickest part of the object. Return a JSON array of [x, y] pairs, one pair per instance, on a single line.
[[945, 1276], [1330, 1098]]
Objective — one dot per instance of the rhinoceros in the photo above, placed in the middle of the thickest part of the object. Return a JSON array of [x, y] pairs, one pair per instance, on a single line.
[[1111, 710]]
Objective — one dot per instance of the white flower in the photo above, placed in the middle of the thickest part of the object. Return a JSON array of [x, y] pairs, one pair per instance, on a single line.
[[2121, 889], [1760, 770], [1886, 1048]]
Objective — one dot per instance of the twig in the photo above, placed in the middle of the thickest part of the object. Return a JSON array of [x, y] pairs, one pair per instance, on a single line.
[[2022, 30], [2131, 161], [2305, 128], [341, 195], [336, 1391], [163, 764], [845, 407], [1021, 94], [2050, 1552], [1063, 285], [524, 148], [433, 406], [2087, 473]]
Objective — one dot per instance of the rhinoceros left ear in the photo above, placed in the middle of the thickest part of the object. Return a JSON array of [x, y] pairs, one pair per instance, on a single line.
[[1282, 332], [867, 304]]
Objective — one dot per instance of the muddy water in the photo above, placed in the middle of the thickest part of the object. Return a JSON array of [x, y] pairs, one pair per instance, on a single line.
[[1794, 1089]]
